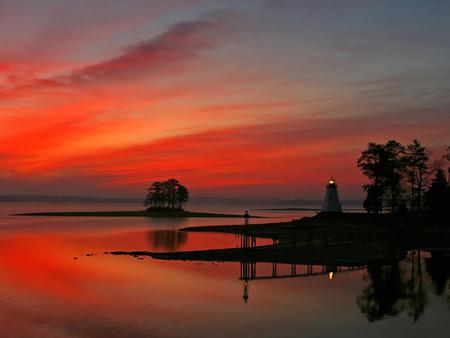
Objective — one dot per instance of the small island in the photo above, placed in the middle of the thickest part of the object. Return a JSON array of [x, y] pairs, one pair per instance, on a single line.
[[164, 199]]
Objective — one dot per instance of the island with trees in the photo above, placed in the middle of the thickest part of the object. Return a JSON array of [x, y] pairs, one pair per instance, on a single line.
[[164, 199], [166, 196]]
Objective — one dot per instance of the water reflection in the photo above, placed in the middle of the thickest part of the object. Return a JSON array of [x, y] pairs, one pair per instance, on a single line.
[[271, 271], [169, 240], [401, 287], [399, 284], [438, 267], [394, 288], [46, 293], [384, 294]]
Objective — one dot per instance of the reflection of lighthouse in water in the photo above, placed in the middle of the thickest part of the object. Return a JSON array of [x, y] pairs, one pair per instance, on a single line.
[[331, 201]]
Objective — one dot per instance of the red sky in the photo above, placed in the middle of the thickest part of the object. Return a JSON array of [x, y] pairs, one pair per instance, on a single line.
[[262, 99]]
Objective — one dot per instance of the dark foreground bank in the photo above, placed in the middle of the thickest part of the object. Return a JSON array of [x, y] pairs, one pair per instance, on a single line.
[[326, 239]]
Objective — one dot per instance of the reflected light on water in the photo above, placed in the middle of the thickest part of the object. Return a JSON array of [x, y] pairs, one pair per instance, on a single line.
[[59, 283]]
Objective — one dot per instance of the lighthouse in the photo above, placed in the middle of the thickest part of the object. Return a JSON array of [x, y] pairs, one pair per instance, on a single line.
[[331, 201]]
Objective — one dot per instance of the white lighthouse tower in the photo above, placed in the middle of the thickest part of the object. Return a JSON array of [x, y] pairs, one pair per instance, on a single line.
[[331, 201]]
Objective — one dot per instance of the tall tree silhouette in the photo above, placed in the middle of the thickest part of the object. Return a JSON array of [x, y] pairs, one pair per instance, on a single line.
[[416, 160], [393, 170], [438, 196], [371, 163]]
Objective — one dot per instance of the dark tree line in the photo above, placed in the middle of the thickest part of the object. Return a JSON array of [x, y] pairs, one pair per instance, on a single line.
[[399, 176], [167, 194]]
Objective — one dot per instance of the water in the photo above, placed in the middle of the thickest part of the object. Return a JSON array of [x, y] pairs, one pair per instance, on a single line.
[[56, 281]]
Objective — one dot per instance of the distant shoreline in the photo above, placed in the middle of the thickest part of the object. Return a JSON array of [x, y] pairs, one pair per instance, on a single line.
[[305, 209], [134, 213]]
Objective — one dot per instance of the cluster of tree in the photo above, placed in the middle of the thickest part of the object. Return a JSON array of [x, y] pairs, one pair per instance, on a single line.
[[167, 194], [400, 176]]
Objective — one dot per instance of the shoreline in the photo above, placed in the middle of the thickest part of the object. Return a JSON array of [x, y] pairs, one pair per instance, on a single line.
[[325, 239], [134, 213], [339, 221]]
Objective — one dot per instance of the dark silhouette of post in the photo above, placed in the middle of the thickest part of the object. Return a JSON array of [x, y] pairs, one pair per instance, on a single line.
[[248, 267]]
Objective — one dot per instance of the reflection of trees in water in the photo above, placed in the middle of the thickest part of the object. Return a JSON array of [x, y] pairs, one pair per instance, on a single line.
[[382, 297], [417, 296], [438, 267], [169, 240], [396, 288]]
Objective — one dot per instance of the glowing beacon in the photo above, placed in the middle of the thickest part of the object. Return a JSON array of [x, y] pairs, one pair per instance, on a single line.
[[331, 201]]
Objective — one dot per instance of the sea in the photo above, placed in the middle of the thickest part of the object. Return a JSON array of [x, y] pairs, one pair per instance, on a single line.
[[58, 280]]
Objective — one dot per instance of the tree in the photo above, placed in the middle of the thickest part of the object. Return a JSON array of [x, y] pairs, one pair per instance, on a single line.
[[383, 164], [183, 196], [447, 157], [170, 188], [372, 203], [416, 172], [393, 170], [438, 196], [167, 194], [371, 163], [155, 197]]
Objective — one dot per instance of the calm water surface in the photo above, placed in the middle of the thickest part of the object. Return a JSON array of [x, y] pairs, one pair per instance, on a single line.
[[56, 281]]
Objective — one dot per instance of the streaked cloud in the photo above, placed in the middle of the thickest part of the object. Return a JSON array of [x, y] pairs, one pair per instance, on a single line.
[[243, 97]]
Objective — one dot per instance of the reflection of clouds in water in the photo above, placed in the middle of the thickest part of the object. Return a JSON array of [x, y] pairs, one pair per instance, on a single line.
[[169, 240]]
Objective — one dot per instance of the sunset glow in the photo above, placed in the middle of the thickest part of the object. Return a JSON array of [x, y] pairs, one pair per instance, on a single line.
[[236, 98]]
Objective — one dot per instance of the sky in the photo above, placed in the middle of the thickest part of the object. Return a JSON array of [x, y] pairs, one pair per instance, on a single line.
[[255, 98]]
